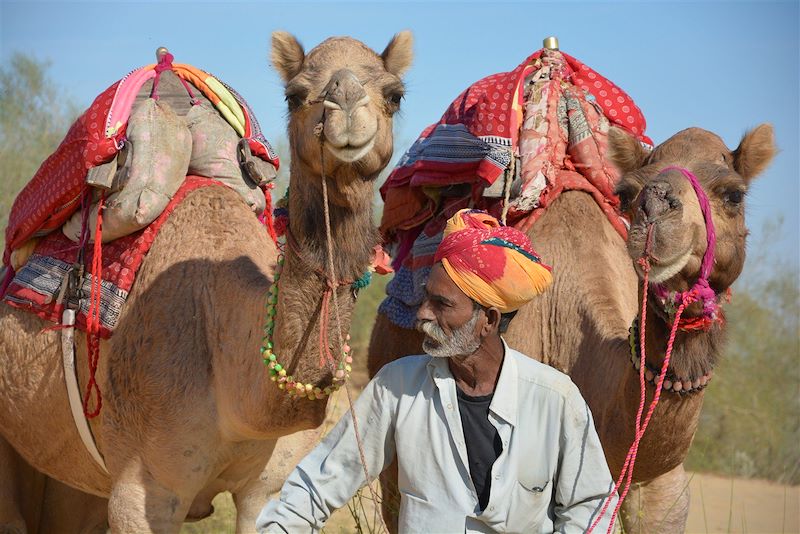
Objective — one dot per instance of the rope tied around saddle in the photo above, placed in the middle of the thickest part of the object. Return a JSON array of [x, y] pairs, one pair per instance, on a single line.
[[93, 316]]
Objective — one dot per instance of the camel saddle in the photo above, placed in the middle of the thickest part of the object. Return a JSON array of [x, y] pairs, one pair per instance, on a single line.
[[222, 141], [510, 144]]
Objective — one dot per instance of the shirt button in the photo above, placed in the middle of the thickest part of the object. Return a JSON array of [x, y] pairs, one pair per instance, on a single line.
[[491, 508], [497, 477], [449, 406]]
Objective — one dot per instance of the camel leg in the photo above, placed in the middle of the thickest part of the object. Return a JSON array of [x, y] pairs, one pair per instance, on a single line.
[[18, 482], [68, 510], [390, 497], [253, 495], [658, 506], [33, 502], [139, 503]]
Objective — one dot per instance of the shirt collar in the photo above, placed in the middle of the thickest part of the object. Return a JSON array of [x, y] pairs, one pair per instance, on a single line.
[[504, 400]]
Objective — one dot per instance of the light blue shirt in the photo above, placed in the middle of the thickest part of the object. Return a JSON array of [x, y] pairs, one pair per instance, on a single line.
[[551, 475]]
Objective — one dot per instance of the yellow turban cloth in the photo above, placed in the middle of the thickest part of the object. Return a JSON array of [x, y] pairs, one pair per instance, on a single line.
[[493, 265]]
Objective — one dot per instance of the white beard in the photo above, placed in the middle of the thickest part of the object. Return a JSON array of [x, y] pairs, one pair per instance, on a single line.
[[462, 342]]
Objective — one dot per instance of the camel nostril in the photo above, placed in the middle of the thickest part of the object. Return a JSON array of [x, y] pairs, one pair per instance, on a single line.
[[658, 199], [345, 91]]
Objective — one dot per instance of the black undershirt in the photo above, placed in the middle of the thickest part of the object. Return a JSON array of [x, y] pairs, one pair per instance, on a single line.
[[482, 440]]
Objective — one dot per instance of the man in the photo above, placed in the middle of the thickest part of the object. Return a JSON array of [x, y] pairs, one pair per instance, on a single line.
[[487, 439]]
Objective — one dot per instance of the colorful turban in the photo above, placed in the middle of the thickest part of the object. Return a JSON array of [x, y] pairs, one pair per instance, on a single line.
[[492, 264]]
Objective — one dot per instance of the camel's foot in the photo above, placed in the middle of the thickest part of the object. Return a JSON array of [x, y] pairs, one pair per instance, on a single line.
[[658, 506]]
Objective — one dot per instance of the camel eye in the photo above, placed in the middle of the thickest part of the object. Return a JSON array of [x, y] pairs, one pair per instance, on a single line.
[[734, 197], [626, 197], [295, 99], [393, 100]]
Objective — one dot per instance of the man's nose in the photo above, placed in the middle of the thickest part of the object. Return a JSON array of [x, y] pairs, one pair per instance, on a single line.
[[424, 313]]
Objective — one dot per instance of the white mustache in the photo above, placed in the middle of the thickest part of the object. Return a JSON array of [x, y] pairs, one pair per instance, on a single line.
[[432, 330]]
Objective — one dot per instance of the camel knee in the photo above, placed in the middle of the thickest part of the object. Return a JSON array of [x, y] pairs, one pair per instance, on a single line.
[[660, 505], [145, 506]]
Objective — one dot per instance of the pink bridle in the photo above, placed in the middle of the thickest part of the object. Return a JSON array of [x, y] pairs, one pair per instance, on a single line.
[[701, 290]]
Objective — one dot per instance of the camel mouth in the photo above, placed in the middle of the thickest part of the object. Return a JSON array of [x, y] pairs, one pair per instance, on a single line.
[[661, 271], [349, 153]]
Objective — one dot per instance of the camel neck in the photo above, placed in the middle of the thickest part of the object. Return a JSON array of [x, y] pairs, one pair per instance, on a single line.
[[694, 353], [303, 309], [353, 234]]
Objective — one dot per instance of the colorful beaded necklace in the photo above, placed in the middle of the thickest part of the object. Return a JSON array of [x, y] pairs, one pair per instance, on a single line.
[[277, 371]]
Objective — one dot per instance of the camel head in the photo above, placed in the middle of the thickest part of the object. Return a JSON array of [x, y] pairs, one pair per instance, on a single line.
[[651, 193], [344, 96]]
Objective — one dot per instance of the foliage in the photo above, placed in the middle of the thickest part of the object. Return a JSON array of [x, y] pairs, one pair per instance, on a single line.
[[750, 424], [34, 117]]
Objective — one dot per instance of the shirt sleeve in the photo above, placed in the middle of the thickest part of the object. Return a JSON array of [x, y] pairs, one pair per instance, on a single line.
[[584, 480], [332, 473]]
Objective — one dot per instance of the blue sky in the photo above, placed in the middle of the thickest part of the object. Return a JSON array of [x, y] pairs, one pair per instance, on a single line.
[[723, 66]]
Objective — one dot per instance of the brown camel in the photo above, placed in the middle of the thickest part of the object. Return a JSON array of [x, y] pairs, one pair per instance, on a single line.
[[580, 325], [189, 409]]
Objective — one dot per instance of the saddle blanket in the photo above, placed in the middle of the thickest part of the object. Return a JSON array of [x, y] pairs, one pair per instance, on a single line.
[[538, 131], [39, 285]]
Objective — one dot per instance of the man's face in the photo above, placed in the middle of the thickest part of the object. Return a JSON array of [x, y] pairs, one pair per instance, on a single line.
[[448, 318]]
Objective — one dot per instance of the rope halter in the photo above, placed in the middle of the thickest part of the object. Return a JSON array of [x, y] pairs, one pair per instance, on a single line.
[[701, 291]]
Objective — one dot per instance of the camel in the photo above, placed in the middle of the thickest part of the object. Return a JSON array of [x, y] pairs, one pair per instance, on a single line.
[[189, 408], [580, 325]]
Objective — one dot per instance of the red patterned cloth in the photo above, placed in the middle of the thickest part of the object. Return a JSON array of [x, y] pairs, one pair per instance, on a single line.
[[54, 192], [36, 286], [543, 127], [479, 133]]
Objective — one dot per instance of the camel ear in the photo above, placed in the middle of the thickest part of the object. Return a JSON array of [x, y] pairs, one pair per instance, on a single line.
[[625, 151], [398, 54], [287, 55], [755, 152]]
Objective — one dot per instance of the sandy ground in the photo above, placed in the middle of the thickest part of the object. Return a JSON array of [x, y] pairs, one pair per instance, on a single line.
[[721, 504]]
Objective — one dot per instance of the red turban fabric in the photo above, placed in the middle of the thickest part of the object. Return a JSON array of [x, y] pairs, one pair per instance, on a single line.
[[494, 265]]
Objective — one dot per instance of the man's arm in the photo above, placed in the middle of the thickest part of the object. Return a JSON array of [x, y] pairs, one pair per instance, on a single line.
[[584, 479], [332, 473]]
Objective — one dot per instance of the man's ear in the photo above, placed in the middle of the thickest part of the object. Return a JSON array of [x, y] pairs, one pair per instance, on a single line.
[[492, 324]]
